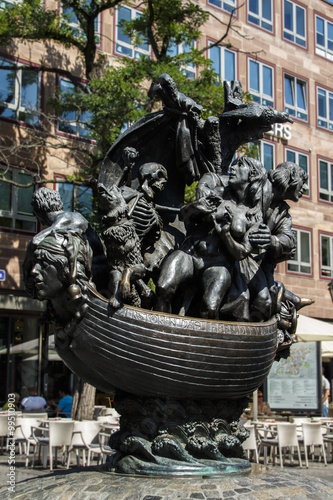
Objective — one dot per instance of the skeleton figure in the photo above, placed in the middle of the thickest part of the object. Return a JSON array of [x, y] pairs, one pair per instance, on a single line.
[[148, 223], [122, 243], [130, 225]]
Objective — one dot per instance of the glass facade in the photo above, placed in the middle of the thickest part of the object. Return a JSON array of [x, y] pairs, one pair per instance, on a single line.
[[28, 357]]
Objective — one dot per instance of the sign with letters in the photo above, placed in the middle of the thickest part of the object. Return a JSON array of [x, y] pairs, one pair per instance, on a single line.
[[282, 130]]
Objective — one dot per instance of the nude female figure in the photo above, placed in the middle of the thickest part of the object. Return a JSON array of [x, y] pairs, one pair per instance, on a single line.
[[219, 238]]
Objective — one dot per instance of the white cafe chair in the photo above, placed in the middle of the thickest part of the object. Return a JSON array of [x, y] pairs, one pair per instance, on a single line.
[[57, 434], [108, 411], [23, 435], [84, 438], [286, 438], [40, 416], [250, 444], [328, 440], [299, 421], [104, 439], [313, 436], [109, 419], [3, 428]]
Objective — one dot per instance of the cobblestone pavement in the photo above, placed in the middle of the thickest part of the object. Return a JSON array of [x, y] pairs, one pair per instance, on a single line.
[[94, 483]]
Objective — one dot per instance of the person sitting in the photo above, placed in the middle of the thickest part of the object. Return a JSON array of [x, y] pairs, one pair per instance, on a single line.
[[17, 398], [33, 402], [64, 407], [263, 406]]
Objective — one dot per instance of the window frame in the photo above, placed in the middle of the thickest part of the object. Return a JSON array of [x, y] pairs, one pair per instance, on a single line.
[[75, 196], [260, 18], [320, 50], [13, 213], [328, 192], [76, 26], [328, 98], [261, 143], [78, 123], [226, 5], [296, 80], [186, 68], [298, 262], [17, 107], [297, 153], [293, 33], [223, 51], [126, 45], [322, 235], [261, 95]]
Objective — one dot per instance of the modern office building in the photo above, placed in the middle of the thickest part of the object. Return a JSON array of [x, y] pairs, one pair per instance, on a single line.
[[281, 51]]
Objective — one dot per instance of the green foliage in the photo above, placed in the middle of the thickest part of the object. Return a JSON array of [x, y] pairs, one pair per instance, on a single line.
[[28, 20], [251, 149], [189, 194]]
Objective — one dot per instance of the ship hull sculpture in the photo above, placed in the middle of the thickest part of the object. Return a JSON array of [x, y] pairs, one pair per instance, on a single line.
[[182, 361]]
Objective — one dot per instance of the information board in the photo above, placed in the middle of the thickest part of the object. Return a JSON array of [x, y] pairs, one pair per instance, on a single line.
[[295, 383]]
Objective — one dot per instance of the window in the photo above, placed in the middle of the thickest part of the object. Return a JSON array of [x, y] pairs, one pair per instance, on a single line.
[[227, 5], [294, 23], [325, 108], [224, 62], [260, 13], [326, 181], [301, 262], [73, 122], [15, 202], [19, 93], [295, 97], [76, 198], [74, 22], [324, 38], [5, 3], [261, 83], [302, 160], [123, 42], [183, 48], [326, 254], [265, 153]]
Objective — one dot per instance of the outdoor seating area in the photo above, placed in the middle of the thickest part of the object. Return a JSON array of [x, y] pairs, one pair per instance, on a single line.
[[50, 442], [53, 441], [281, 443]]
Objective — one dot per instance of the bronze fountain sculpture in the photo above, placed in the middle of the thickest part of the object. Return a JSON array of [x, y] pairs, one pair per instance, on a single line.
[[182, 355]]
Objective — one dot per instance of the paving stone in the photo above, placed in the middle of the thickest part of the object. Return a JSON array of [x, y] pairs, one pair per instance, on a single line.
[[149, 497], [266, 484]]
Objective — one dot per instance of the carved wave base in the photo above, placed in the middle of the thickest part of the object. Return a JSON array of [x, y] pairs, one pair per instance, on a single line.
[[169, 437]]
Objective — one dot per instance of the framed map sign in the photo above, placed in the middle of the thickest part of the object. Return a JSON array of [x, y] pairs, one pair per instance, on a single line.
[[294, 384]]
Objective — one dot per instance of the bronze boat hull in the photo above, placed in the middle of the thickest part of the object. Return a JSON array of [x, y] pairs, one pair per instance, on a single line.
[[154, 354]]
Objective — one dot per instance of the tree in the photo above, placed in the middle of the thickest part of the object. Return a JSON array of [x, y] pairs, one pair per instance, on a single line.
[[112, 96]]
